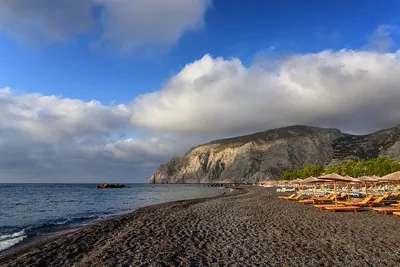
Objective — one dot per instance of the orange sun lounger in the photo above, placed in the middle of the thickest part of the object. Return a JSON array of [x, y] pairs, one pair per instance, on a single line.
[[324, 199], [298, 197], [396, 213], [286, 197], [386, 210], [362, 203], [322, 206], [307, 201], [378, 201], [343, 208]]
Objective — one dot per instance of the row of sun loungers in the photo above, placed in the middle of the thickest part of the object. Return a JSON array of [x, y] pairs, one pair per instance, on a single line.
[[331, 204]]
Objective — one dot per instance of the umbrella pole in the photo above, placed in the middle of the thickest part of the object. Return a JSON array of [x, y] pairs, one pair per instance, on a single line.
[[334, 189], [348, 191], [313, 189]]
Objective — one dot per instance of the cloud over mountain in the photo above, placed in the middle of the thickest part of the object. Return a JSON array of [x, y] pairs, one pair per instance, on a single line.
[[353, 90], [356, 91]]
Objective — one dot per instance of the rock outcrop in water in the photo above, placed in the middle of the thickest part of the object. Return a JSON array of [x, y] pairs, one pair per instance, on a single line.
[[265, 155], [102, 186]]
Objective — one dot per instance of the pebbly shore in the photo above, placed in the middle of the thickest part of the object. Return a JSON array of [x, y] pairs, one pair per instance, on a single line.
[[249, 227]]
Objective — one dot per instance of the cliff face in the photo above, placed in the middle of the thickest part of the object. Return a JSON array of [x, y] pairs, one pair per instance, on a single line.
[[266, 155]]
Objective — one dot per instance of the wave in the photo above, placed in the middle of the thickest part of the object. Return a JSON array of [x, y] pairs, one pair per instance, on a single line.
[[16, 236], [12, 235], [9, 240]]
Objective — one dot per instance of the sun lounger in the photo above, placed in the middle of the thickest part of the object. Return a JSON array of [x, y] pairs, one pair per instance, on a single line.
[[324, 200], [377, 201], [307, 201], [342, 196], [386, 210], [329, 196], [388, 202], [323, 206], [396, 194], [298, 197], [342, 208], [387, 196], [396, 205], [396, 213], [361, 203], [286, 197]]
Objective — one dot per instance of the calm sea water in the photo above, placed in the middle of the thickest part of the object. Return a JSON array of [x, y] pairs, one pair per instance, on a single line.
[[30, 209]]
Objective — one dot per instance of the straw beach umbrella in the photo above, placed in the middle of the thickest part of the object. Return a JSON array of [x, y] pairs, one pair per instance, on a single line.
[[297, 181], [313, 180], [390, 178], [393, 177], [365, 180], [354, 180], [335, 178], [376, 180]]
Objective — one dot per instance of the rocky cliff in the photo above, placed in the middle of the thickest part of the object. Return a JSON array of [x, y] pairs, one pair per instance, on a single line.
[[265, 155]]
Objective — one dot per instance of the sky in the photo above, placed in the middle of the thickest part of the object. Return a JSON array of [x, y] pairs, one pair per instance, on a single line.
[[107, 90]]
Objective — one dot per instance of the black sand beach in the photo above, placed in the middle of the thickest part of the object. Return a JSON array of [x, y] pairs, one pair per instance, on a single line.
[[249, 227]]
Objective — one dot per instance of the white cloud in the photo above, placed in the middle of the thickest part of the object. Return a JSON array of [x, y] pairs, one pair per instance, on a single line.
[[125, 25], [136, 24], [43, 21], [354, 90], [51, 118], [43, 137], [75, 141], [382, 39]]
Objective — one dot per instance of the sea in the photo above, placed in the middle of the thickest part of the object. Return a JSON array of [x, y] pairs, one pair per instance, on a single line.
[[29, 210]]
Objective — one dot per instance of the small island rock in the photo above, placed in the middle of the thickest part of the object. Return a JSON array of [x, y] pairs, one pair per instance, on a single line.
[[110, 186]]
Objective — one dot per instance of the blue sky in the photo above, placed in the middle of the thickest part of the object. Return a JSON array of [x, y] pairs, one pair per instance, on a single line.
[[173, 74], [232, 29]]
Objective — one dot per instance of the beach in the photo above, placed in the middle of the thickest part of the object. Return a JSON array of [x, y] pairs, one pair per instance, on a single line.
[[248, 227]]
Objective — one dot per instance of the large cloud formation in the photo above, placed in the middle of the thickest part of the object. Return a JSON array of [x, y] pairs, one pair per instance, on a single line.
[[49, 136], [124, 25], [354, 90]]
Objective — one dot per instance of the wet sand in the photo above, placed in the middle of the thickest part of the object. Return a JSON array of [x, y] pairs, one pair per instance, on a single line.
[[249, 227]]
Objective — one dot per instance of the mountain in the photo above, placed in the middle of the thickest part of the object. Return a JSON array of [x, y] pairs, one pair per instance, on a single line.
[[265, 155]]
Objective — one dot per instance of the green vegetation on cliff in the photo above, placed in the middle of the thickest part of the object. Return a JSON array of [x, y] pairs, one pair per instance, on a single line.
[[378, 166]]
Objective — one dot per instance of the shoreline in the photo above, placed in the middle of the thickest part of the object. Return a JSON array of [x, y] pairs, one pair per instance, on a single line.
[[48, 236], [248, 226], [56, 229]]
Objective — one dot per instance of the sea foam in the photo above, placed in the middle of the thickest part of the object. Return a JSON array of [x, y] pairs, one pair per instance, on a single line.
[[9, 240]]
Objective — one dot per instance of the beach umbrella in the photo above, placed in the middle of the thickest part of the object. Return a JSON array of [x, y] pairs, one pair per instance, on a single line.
[[391, 178], [335, 178], [376, 180], [395, 176], [365, 180], [353, 180], [297, 181], [313, 180]]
